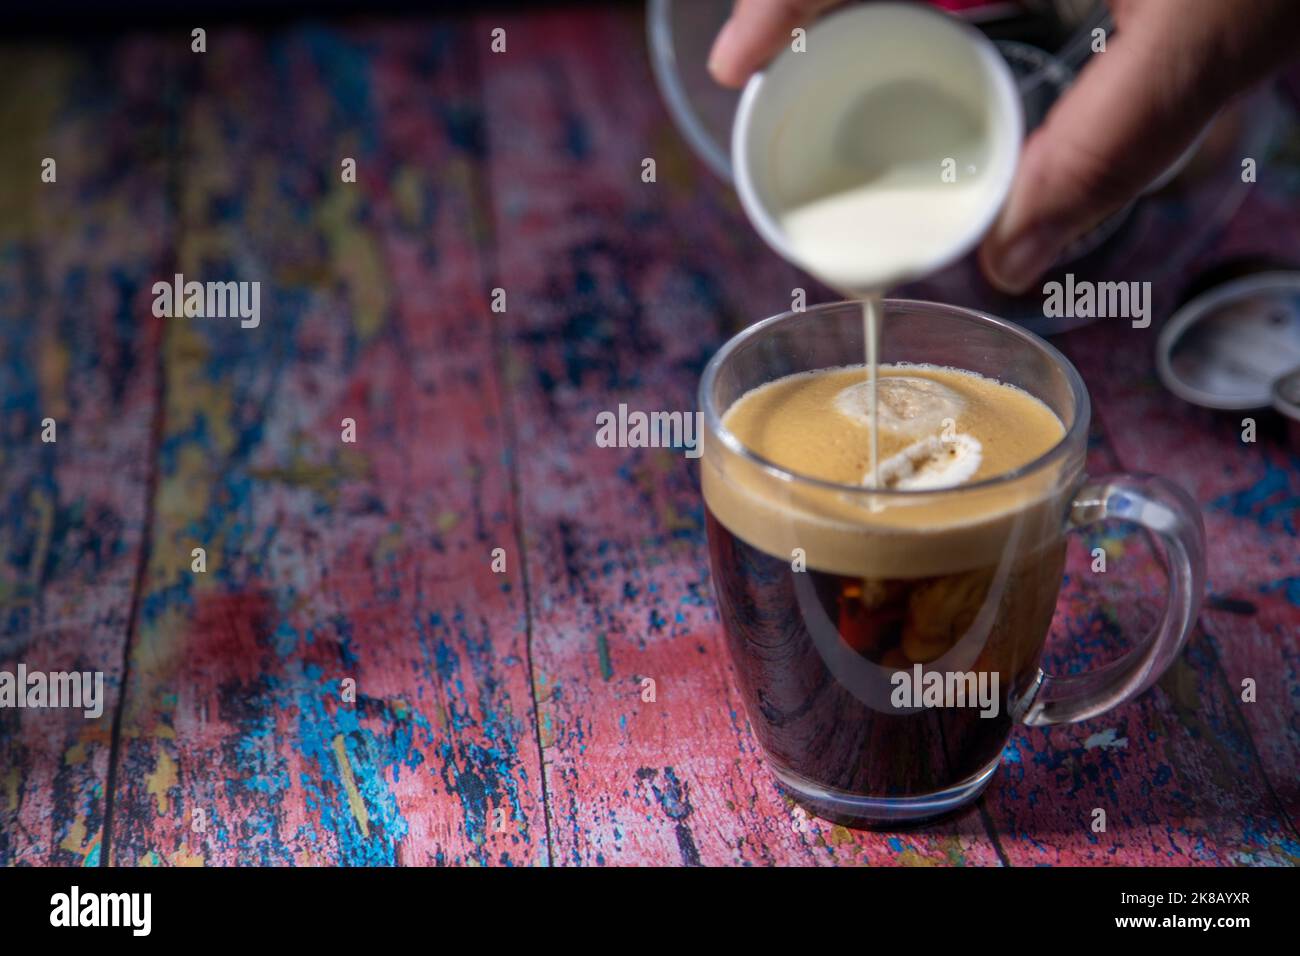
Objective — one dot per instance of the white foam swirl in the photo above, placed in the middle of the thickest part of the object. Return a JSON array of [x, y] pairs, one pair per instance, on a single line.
[[933, 462], [909, 406]]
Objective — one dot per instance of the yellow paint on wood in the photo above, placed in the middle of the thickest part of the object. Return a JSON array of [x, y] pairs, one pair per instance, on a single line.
[[350, 785], [11, 789], [910, 857], [162, 779], [75, 839], [54, 361]]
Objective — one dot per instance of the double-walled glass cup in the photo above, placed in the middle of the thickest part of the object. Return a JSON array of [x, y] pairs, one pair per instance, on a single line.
[[886, 641]]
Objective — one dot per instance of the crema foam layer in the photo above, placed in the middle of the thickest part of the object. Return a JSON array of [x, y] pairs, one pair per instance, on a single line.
[[940, 428]]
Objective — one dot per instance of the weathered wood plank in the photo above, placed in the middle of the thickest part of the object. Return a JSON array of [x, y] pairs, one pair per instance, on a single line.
[[1174, 771], [370, 561], [1234, 764], [77, 345], [619, 290], [1188, 774], [1251, 494], [330, 561]]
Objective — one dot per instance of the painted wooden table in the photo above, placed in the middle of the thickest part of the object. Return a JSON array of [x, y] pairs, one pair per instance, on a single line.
[[498, 717]]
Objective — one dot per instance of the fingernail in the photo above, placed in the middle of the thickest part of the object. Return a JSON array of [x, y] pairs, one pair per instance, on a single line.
[[1025, 258], [720, 47]]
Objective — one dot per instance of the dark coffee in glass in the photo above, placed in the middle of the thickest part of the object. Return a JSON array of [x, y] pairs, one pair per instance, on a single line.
[[813, 722], [886, 610]]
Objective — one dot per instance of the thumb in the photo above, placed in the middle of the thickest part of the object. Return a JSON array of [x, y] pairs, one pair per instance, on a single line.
[[756, 32], [1133, 111]]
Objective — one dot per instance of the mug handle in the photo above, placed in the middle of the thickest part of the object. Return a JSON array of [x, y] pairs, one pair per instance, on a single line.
[[1165, 509]]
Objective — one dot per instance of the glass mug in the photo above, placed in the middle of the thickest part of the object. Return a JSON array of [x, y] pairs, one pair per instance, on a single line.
[[886, 641]]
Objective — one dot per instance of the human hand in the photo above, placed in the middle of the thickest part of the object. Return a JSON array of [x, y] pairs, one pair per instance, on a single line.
[[1132, 112]]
